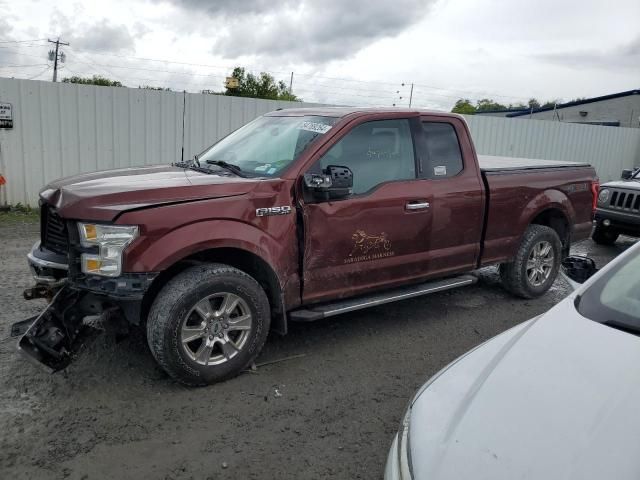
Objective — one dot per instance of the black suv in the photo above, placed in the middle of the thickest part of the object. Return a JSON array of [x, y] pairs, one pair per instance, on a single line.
[[618, 208]]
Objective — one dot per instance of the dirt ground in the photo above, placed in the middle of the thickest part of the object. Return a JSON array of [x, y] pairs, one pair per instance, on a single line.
[[329, 414]]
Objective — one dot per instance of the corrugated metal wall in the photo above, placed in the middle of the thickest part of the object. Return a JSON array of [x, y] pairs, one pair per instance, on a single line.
[[608, 149], [63, 129]]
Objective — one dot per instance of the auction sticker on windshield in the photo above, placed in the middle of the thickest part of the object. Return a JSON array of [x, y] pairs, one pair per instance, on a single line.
[[315, 127]]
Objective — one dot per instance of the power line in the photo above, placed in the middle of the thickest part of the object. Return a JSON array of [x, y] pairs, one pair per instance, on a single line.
[[22, 65], [36, 76], [309, 85], [23, 41]]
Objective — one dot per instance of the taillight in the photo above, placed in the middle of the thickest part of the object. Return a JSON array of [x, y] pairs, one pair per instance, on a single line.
[[595, 187]]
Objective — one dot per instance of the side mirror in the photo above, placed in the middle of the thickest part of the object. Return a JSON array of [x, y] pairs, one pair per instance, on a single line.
[[333, 183], [627, 173], [577, 270]]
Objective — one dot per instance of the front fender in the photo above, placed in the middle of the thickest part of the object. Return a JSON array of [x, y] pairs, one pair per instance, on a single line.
[[157, 253]]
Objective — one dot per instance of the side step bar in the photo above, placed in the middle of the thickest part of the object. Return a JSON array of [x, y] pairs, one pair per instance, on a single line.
[[320, 311]]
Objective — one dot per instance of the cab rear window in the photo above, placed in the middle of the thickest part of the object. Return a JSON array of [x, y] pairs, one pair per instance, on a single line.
[[442, 158]]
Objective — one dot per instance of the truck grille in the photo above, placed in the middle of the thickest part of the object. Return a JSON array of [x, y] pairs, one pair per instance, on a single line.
[[629, 201], [53, 228]]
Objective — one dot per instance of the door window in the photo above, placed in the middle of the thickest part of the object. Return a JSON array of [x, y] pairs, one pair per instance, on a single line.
[[443, 158], [376, 152]]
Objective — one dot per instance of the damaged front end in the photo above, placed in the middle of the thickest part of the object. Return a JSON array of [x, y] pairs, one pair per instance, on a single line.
[[56, 336], [73, 317]]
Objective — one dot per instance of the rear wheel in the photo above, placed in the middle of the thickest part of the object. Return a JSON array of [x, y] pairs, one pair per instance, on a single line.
[[535, 265], [208, 324], [604, 236]]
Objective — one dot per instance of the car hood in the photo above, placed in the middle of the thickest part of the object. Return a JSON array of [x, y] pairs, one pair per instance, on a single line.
[[633, 184], [556, 397], [104, 195]]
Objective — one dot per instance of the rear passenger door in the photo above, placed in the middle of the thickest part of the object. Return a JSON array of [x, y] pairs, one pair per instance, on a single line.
[[447, 165]]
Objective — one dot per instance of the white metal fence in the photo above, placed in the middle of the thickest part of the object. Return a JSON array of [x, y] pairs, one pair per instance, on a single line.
[[608, 149], [63, 129]]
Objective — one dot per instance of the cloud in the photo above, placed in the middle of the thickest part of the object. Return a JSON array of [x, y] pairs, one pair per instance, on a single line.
[[103, 36], [306, 31], [626, 57], [230, 8]]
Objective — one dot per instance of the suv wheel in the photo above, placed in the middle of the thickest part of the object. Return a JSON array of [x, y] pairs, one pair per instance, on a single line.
[[208, 324], [535, 265], [604, 236]]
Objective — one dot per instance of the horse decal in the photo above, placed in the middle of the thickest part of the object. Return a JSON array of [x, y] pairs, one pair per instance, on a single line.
[[364, 244]]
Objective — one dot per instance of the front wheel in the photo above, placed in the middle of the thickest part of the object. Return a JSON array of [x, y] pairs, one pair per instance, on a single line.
[[208, 324], [535, 265], [604, 236]]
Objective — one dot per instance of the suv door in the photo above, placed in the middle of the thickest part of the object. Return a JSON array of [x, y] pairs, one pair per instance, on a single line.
[[378, 236]]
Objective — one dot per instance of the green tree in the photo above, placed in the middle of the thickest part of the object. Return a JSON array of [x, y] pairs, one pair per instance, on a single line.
[[533, 103], [464, 106], [149, 87], [487, 105], [259, 86], [95, 80]]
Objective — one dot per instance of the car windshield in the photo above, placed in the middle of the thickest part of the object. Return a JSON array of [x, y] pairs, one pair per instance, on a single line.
[[614, 299], [267, 145]]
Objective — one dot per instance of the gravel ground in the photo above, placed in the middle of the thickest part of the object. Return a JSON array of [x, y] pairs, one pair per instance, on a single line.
[[331, 413]]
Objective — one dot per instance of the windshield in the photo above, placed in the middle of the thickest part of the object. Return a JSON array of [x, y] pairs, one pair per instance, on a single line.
[[614, 299], [267, 145]]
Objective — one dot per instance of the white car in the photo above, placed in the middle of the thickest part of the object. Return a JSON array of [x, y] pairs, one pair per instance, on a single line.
[[556, 397]]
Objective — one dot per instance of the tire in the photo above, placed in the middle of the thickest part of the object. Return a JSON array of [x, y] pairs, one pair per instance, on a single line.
[[208, 324], [604, 236], [532, 271]]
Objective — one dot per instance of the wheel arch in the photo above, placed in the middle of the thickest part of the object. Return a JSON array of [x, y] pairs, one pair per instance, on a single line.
[[249, 262], [551, 208], [555, 218]]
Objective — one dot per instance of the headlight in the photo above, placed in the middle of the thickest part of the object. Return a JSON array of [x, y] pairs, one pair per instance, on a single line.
[[603, 196], [111, 241]]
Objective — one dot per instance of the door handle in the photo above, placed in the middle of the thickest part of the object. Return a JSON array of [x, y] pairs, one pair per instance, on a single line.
[[417, 205]]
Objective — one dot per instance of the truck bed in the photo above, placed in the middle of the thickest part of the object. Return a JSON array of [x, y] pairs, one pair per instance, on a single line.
[[490, 163], [518, 187]]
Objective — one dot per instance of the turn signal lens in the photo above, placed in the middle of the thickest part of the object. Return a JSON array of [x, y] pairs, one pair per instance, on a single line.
[[91, 265], [90, 232]]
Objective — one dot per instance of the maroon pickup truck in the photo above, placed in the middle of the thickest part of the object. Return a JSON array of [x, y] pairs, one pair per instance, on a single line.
[[298, 215]]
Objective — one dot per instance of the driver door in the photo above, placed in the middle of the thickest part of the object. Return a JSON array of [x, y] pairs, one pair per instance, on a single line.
[[379, 236]]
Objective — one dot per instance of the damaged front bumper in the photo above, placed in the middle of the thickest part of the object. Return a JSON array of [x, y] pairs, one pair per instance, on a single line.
[[56, 336], [79, 308]]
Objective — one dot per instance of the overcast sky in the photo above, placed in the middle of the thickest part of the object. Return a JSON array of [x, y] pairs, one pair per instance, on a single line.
[[346, 52]]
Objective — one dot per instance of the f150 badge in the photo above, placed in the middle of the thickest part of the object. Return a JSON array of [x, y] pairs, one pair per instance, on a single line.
[[267, 212]]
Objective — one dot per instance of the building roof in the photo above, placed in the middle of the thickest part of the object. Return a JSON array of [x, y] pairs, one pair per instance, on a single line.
[[504, 110], [577, 102]]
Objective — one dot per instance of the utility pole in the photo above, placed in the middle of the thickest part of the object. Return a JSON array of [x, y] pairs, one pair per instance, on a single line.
[[411, 95], [54, 56], [291, 84]]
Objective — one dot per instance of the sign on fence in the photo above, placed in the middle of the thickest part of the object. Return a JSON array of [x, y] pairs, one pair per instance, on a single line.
[[6, 115]]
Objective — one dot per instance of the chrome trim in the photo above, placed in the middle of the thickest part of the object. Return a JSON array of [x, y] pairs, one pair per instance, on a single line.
[[417, 206], [50, 281], [45, 263], [402, 296]]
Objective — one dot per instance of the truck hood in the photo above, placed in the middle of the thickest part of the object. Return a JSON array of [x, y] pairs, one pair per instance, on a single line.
[[553, 398], [633, 184], [104, 195]]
